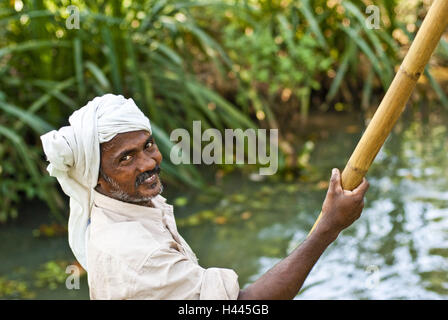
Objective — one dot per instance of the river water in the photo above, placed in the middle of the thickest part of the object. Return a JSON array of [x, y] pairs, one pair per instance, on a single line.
[[398, 249]]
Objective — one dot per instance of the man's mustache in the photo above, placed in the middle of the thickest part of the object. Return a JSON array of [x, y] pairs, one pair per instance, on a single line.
[[145, 175]]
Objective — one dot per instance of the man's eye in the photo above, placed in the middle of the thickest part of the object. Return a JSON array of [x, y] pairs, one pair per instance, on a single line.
[[126, 158], [148, 145]]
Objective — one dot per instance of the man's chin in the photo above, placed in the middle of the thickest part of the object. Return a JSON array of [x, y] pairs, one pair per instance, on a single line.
[[149, 191]]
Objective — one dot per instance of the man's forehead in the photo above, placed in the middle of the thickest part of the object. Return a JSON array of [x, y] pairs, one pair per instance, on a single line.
[[125, 140]]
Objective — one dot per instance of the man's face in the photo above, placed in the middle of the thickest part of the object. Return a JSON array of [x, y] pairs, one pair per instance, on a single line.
[[129, 169]]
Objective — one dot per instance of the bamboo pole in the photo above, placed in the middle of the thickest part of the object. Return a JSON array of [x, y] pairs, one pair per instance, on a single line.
[[396, 96]]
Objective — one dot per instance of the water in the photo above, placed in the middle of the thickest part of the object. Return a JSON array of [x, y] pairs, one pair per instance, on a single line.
[[398, 249]]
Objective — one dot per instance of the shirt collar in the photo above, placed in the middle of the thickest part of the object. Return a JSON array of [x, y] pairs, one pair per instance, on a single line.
[[128, 209]]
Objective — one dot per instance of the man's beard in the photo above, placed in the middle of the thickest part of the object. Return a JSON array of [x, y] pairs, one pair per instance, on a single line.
[[118, 194]]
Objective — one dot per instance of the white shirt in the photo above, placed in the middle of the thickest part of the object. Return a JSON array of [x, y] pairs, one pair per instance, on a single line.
[[136, 252]]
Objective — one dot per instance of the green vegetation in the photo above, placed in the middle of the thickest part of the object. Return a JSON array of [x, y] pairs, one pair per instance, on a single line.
[[14, 289], [230, 64], [288, 52], [51, 275]]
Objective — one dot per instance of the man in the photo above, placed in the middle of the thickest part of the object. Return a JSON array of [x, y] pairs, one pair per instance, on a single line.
[[124, 233]]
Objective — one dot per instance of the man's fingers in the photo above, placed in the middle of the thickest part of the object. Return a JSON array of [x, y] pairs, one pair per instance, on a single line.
[[335, 181], [362, 188]]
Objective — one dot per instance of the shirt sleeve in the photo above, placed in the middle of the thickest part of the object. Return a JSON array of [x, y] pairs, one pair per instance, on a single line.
[[169, 275]]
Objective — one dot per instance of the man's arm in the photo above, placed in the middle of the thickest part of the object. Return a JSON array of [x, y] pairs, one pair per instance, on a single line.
[[340, 209]]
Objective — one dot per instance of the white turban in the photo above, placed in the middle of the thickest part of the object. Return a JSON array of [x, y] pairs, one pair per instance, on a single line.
[[74, 155]]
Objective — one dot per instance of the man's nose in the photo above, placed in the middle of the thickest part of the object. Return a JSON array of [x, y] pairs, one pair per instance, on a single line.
[[145, 162]]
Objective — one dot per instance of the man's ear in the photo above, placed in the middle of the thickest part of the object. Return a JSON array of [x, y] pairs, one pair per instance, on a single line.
[[98, 186], [101, 181]]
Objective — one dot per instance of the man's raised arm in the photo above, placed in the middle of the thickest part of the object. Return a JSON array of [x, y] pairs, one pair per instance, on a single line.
[[340, 209]]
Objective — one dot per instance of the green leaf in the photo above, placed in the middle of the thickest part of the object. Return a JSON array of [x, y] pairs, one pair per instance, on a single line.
[[439, 91], [38, 125], [79, 69], [33, 45], [362, 44], [98, 75], [343, 67], [112, 57], [314, 25]]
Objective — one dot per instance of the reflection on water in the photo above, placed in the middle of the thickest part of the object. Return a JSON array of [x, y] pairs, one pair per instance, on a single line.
[[398, 249]]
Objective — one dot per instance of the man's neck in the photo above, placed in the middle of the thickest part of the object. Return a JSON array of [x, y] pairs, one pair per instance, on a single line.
[[145, 203]]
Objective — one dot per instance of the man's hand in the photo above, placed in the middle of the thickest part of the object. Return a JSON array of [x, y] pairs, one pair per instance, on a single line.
[[341, 207]]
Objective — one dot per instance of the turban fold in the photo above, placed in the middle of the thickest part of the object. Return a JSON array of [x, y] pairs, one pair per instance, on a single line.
[[74, 155]]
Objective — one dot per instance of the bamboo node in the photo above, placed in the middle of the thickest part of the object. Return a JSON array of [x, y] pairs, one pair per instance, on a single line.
[[358, 170], [413, 76]]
